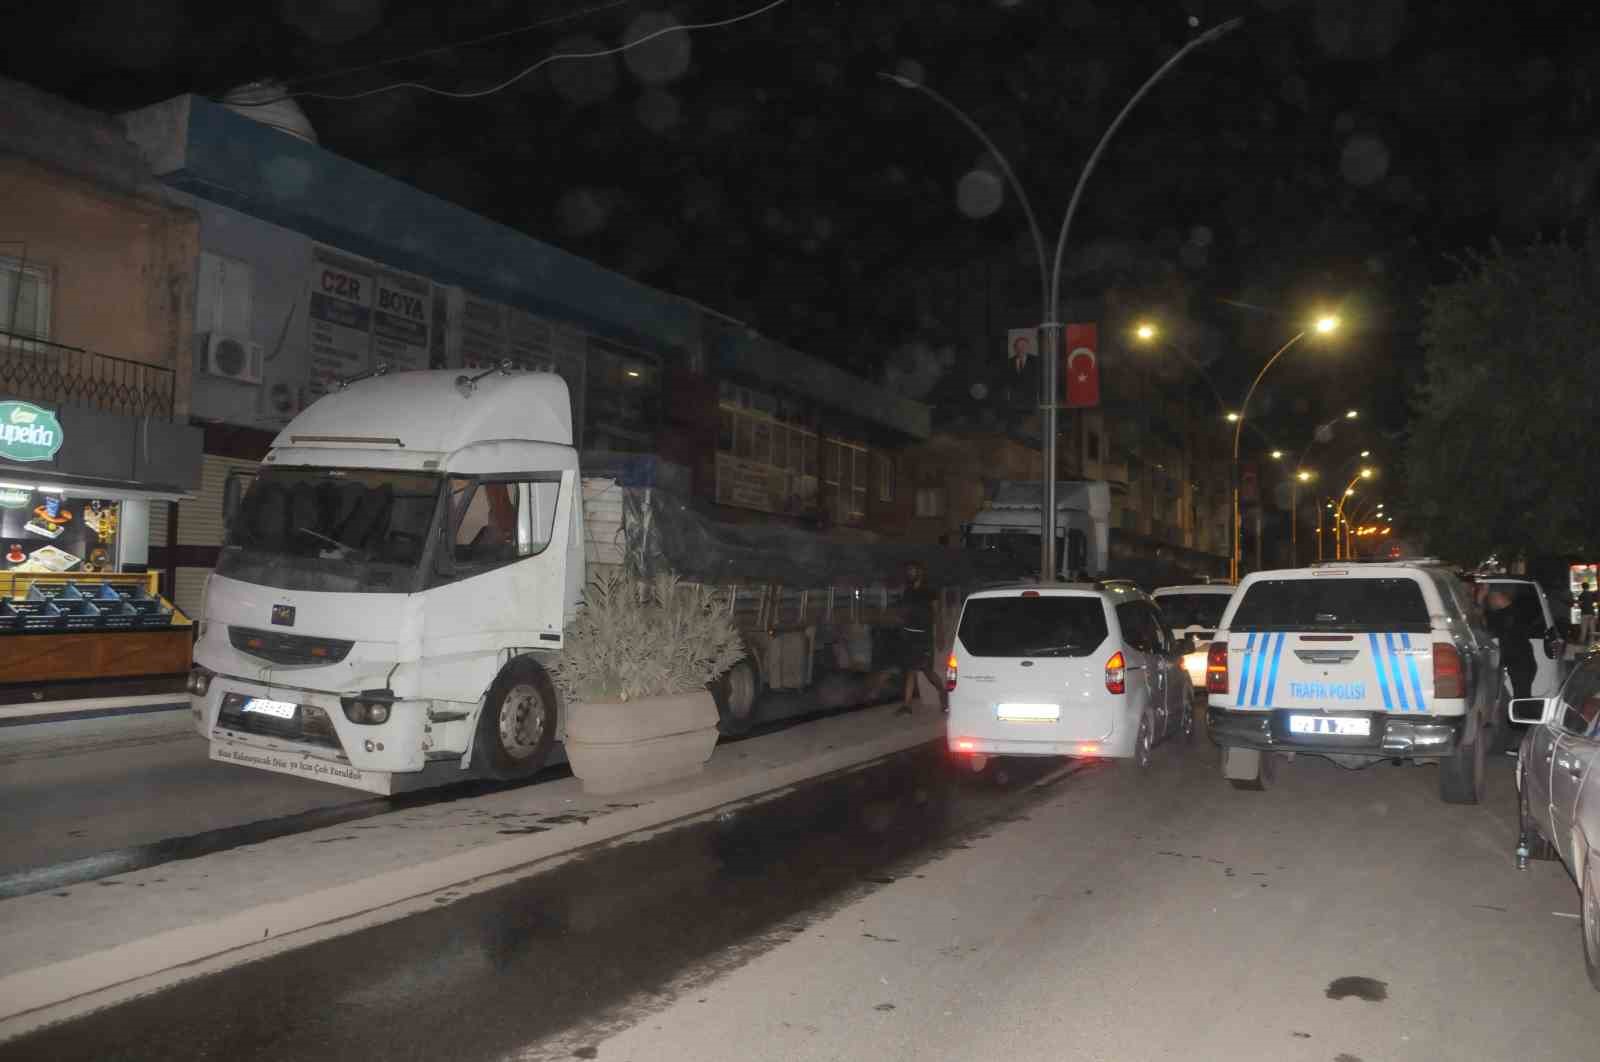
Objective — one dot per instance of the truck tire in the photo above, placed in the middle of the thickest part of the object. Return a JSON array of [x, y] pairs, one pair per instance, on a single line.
[[1463, 774], [736, 692], [1528, 830], [1249, 769], [517, 725]]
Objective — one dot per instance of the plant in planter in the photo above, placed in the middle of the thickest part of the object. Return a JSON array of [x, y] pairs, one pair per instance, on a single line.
[[633, 673]]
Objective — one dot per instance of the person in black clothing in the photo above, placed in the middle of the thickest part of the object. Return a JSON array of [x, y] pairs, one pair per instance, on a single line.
[[1586, 613], [1516, 642], [916, 635]]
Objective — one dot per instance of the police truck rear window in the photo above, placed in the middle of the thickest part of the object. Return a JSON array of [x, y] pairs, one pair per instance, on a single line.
[[1047, 625], [1333, 604]]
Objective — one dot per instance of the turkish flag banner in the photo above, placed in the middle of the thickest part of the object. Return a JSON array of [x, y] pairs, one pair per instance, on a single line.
[[1081, 366]]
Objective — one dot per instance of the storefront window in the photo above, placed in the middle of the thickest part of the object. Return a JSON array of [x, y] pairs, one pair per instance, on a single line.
[[50, 531]]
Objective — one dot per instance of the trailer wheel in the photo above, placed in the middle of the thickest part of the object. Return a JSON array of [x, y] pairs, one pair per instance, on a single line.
[[735, 692], [518, 723]]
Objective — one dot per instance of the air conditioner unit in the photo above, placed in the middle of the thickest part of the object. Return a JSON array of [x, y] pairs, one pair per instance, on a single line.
[[233, 358]]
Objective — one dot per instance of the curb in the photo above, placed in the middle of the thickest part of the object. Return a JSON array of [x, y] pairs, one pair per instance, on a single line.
[[24, 995]]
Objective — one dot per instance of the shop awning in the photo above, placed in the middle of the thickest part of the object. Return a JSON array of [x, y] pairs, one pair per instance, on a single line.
[[87, 487]]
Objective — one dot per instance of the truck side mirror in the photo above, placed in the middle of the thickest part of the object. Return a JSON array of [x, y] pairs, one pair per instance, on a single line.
[[1529, 711]]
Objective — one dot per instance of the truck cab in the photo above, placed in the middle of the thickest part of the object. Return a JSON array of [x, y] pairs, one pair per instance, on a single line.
[[410, 544]]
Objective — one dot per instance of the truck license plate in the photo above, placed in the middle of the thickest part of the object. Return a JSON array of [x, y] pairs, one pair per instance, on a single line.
[[276, 709], [1357, 726]]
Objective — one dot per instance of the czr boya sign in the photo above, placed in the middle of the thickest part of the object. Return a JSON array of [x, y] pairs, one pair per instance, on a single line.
[[28, 433]]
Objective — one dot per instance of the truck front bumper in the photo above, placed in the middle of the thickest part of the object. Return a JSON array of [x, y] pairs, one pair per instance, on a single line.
[[1391, 737]]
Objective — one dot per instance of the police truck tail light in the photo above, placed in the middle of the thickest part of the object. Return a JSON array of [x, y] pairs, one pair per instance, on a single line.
[[1116, 673], [1217, 668], [1447, 678], [950, 674]]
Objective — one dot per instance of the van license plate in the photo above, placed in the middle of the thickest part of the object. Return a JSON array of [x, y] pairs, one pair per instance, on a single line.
[[1323, 724], [276, 709], [1029, 713]]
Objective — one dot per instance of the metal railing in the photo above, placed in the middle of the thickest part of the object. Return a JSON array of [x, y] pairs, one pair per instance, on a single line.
[[54, 373]]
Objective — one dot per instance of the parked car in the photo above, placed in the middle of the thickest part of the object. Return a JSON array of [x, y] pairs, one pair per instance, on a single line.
[[1558, 790], [1194, 612], [1064, 670], [1359, 662]]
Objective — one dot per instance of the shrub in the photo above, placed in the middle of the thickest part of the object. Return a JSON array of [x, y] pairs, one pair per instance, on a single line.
[[634, 638]]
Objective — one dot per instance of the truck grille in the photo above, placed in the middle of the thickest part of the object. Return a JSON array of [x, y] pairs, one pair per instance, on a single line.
[[309, 724], [289, 648]]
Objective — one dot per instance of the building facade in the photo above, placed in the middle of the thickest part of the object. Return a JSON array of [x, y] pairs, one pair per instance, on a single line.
[[97, 289]]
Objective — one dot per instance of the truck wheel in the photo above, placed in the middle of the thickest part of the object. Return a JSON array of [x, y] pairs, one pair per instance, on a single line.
[[1249, 769], [1591, 921], [736, 692], [1528, 830], [1462, 774], [518, 723]]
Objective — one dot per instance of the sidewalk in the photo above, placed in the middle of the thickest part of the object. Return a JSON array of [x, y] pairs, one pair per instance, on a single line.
[[95, 944], [90, 708]]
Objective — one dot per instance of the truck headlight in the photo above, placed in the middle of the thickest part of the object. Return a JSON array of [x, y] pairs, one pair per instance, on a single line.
[[365, 711], [199, 683]]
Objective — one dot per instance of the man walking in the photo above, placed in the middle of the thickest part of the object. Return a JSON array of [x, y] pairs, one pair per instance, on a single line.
[[916, 635]]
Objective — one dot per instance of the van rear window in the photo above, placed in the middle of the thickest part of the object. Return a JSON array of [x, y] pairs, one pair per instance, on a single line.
[[1047, 625], [1358, 605]]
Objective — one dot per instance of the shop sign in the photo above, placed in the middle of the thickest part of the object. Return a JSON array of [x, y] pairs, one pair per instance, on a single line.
[[15, 497], [28, 433]]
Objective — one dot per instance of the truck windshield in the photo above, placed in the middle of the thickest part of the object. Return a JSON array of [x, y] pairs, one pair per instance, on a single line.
[[344, 530]]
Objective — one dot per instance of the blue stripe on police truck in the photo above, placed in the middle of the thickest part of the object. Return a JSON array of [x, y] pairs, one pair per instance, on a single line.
[[1411, 668], [1394, 669], [1272, 679], [1244, 670], [1383, 679], [1261, 670]]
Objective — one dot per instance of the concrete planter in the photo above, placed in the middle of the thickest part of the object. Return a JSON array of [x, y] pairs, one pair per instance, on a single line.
[[614, 748]]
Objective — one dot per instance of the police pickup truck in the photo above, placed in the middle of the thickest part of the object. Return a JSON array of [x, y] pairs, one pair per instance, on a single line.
[[1356, 662]]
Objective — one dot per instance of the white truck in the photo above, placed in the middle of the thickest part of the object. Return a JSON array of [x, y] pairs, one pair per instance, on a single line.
[[398, 574], [1008, 525]]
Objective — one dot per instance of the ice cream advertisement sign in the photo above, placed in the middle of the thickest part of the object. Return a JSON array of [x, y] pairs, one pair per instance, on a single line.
[[28, 433]]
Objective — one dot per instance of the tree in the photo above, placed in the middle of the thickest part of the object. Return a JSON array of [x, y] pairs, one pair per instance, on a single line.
[[1498, 461]]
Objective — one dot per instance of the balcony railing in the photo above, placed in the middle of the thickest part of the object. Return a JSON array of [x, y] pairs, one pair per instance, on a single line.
[[53, 373]]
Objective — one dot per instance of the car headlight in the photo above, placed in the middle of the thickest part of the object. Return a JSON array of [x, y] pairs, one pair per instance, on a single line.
[[367, 712]]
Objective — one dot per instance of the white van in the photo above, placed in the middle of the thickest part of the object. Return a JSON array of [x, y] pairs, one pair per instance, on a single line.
[[1064, 669], [1194, 612], [1357, 662]]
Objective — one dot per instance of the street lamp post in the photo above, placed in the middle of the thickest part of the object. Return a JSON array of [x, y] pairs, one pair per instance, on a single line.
[[1304, 475], [1324, 325], [1050, 328], [1349, 489]]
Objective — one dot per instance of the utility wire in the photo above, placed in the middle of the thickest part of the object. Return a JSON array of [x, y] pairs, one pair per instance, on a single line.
[[508, 82]]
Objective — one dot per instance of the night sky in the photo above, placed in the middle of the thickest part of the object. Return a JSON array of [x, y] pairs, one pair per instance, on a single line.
[[1328, 154]]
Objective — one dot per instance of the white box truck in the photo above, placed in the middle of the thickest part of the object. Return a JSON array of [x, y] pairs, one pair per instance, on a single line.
[[410, 535]]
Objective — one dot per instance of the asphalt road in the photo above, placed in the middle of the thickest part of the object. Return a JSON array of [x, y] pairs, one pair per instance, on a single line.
[[908, 911]]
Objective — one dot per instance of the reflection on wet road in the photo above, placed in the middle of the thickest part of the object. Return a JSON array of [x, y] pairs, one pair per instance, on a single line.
[[485, 974]]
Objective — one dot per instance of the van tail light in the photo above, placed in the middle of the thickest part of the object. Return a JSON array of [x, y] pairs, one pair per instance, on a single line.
[[1116, 673], [950, 674], [1448, 680], [1217, 668]]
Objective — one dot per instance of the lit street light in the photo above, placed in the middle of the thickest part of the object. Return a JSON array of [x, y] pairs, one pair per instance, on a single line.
[[1050, 327], [1324, 325], [1349, 490]]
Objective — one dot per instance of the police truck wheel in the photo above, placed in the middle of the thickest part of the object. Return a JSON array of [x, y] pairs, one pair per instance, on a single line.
[[1249, 769], [1463, 775], [736, 692], [518, 723]]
